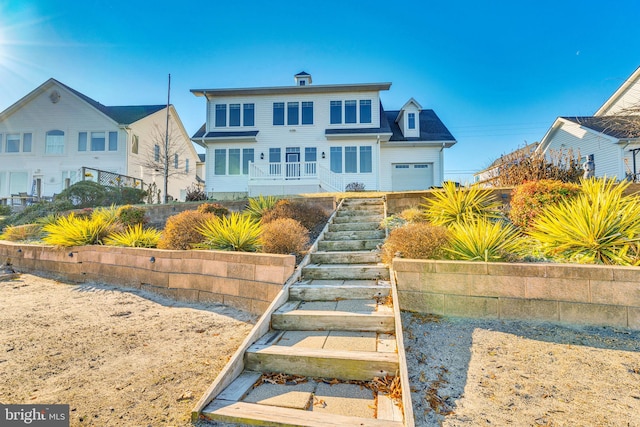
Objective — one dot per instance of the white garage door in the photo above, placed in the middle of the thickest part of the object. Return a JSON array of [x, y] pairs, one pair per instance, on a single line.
[[411, 176]]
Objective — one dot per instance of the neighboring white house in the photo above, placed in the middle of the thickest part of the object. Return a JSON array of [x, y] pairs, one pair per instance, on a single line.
[[48, 136], [613, 145], [310, 138]]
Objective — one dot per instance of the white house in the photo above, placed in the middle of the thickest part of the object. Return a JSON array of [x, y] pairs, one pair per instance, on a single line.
[[51, 134], [611, 135], [309, 138]]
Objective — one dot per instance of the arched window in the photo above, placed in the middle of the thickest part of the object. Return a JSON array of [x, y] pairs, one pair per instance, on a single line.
[[55, 142]]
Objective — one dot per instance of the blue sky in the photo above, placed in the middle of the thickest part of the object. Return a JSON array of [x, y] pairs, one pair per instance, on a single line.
[[496, 72]]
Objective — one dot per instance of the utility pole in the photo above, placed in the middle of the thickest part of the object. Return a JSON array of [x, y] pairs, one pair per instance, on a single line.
[[166, 147]]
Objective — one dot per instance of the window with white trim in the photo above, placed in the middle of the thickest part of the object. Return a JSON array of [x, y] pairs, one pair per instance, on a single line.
[[16, 143], [54, 142], [412, 120]]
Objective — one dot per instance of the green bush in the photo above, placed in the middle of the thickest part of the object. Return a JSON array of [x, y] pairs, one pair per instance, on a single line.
[[132, 215], [258, 206], [31, 213], [236, 232], [284, 236], [77, 231], [418, 240], [181, 230], [452, 205], [5, 210], [530, 198], [598, 226], [89, 194], [135, 236], [480, 239], [213, 208]]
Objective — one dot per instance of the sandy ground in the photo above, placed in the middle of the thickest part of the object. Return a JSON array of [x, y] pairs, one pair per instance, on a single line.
[[129, 358], [498, 373], [117, 357]]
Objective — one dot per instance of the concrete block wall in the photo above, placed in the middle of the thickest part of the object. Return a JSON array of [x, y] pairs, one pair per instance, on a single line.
[[247, 281], [565, 293]]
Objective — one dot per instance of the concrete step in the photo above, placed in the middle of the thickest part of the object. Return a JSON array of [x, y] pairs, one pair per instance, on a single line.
[[327, 290], [379, 208], [346, 271], [354, 235], [340, 315], [347, 218], [354, 226], [349, 245], [346, 257]]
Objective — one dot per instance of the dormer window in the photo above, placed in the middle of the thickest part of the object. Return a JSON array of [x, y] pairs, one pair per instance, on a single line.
[[412, 120], [303, 79], [302, 83]]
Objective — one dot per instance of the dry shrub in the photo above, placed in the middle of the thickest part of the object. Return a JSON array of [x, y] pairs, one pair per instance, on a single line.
[[181, 230], [414, 214], [418, 240], [311, 217], [18, 233], [213, 208], [284, 236], [530, 198]]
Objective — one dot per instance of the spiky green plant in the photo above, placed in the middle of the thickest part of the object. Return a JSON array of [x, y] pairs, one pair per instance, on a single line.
[[236, 232], [76, 231], [480, 239], [24, 232], [258, 206], [135, 236], [106, 214], [453, 204], [601, 225]]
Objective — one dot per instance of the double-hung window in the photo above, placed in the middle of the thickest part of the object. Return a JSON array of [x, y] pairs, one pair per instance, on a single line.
[[221, 115], [234, 161], [336, 112], [350, 111], [234, 114], [13, 143], [249, 114], [365, 111], [54, 142], [292, 113], [97, 141], [307, 113], [365, 159], [350, 159], [336, 159], [278, 113], [412, 120], [247, 156], [220, 161]]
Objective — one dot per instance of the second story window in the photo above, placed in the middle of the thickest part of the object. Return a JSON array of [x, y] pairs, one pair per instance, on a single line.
[[365, 111], [249, 114], [54, 143], [234, 114], [221, 115], [175, 161], [350, 111], [292, 113], [336, 112], [307, 113], [278, 113], [156, 153], [412, 120]]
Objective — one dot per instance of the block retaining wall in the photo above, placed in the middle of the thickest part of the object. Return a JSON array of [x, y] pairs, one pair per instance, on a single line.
[[246, 281], [564, 293]]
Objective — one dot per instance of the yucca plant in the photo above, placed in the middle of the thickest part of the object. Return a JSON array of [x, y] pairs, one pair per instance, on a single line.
[[135, 236], [76, 231], [480, 239], [24, 232], [453, 205], [236, 232], [601, 225], [108, 215], [258, 206]]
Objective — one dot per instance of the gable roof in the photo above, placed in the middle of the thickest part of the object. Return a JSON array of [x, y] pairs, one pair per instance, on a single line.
[[123, 115], [431, 127], [610, 125], [627, 85]]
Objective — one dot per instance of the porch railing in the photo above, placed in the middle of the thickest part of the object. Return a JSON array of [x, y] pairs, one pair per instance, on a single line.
[[110, 179], [331, 180]]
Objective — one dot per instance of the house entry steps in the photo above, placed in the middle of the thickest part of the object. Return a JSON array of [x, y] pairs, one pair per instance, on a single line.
[[330, 356]]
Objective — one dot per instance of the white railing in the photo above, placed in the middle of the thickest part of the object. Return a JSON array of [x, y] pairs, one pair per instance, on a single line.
[[331, 180], [283, 171]]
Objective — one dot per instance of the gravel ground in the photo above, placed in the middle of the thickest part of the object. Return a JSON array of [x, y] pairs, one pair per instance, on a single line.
[[466, 372]]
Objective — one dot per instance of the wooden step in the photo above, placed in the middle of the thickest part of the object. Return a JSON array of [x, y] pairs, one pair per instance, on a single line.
[[340, 364], [326, 290], [354, 235], [346, 257], [256, 414], [346, 271], [347, 218], [354, 226], [341, 315], [349, 245]]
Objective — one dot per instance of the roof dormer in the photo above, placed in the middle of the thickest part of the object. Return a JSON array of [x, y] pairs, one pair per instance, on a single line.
[[409, 119], [303, 79]]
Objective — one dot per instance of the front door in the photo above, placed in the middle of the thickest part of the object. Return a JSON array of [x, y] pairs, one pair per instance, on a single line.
[[293, 165]]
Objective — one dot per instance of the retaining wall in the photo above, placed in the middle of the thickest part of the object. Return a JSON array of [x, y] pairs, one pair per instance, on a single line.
[[565, 293], [242, 280]]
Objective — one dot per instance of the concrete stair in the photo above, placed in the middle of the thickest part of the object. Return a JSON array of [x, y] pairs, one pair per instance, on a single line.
[[330, 343]]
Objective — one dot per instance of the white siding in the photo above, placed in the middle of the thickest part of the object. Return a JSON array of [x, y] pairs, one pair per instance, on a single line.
[[70, 115], [607, 154], [629, 98]]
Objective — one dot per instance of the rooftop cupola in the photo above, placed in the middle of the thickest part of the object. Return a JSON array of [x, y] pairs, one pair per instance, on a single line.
[[303, 79]]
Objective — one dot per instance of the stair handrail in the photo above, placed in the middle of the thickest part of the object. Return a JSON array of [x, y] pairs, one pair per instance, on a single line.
[[330, 180]]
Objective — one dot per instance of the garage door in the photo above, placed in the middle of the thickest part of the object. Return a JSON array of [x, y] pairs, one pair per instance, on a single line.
[[411, 176]]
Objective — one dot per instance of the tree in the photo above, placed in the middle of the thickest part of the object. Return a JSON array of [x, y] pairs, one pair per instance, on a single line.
[[166, 155]]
